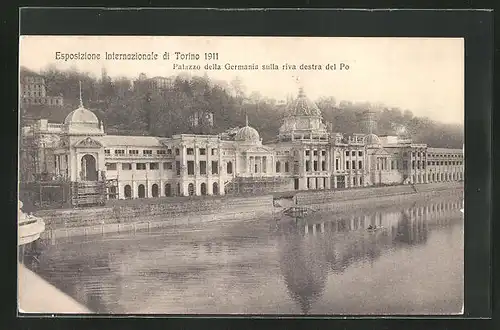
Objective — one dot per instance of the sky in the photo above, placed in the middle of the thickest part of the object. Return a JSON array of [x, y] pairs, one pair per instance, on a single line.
[[424, 75]]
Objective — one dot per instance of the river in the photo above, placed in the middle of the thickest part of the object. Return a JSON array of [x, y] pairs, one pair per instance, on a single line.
[[324, 264]]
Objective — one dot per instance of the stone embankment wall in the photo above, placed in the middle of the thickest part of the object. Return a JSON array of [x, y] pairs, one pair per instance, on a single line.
[[146, 214], [151, 214], [346, 200]]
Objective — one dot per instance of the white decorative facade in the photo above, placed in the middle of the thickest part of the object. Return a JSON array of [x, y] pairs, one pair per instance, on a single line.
[[305, 156]]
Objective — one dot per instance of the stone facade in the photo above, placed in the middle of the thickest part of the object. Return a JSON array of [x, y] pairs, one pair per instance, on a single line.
[[304, 156]]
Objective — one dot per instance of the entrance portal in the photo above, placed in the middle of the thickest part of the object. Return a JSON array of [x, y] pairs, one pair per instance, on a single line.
[[89, 168]]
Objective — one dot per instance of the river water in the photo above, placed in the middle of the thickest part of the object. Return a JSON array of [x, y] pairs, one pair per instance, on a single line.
[[325, 264]]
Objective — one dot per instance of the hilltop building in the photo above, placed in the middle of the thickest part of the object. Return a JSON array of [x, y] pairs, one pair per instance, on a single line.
[[306, 155], [33, 91]]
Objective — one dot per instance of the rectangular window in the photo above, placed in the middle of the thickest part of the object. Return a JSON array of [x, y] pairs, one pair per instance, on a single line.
[[190, 166], [213, 152], [353, 153], [287, 167], [190, 151], [203, 167], [119, 152], [413, 164], [133, 152], [337, 164], [215, 166], [178, 168], [147, 152], [353, 164], [308, 165], [161, 152], [315, 152], [140, 166], [315, 165], [177, 152], [323, 165], [354, 182], [360, 153], [278, 167], [360, 165], [107, 151], [347, 165], [323, 152], [347, 153], [111, 166], [154, 166], [167, 166], [169, 151], [307, 152], [126, 166], [203, 151]]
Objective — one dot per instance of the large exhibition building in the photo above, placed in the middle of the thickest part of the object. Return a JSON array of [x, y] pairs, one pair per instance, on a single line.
[[304, 156]]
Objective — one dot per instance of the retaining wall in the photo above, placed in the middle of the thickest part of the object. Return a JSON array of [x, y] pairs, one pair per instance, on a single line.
[[153, 213]]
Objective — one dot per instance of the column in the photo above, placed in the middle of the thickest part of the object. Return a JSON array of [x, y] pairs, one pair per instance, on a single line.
[[314, 230], [222, 191], [334, 181], [306, 229]]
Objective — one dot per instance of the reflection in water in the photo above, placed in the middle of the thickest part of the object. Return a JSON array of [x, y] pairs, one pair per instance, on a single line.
[[235, 268], [304, 265]]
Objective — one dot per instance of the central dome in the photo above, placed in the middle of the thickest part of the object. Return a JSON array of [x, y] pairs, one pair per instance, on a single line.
[[81, 116], [247, 133], [303, 106]]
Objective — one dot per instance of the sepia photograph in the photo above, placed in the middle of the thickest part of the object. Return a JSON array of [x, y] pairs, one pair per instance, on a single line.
[[241, 175]]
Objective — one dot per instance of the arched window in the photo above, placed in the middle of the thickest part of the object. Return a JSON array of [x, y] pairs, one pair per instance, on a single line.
[[203, 188], [154, 190], [168, 189], [215, 188], [127, 191], [141, 191], [191, 189], [229, 168]]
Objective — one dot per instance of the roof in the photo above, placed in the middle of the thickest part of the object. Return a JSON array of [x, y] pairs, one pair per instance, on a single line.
[[81, 116], [444, 150], [132, 141], [247, 133]]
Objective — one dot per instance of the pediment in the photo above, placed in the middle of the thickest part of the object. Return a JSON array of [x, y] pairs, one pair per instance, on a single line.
[[88, 143]]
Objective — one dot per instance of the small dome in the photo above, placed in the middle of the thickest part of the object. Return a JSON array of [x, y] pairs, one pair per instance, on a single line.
[[247, 133], [303, 106], [371, 139], [81, 116]]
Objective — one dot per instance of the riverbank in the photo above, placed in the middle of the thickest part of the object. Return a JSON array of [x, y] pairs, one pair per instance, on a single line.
[[157, 213]]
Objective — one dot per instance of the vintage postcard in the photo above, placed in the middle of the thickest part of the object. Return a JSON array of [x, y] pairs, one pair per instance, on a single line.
[[241, 175]]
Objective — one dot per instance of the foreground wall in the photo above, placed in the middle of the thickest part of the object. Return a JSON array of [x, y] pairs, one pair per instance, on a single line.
[[150, 213]]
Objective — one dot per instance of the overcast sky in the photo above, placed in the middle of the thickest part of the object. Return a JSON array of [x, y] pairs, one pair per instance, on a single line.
[[424, 75]]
